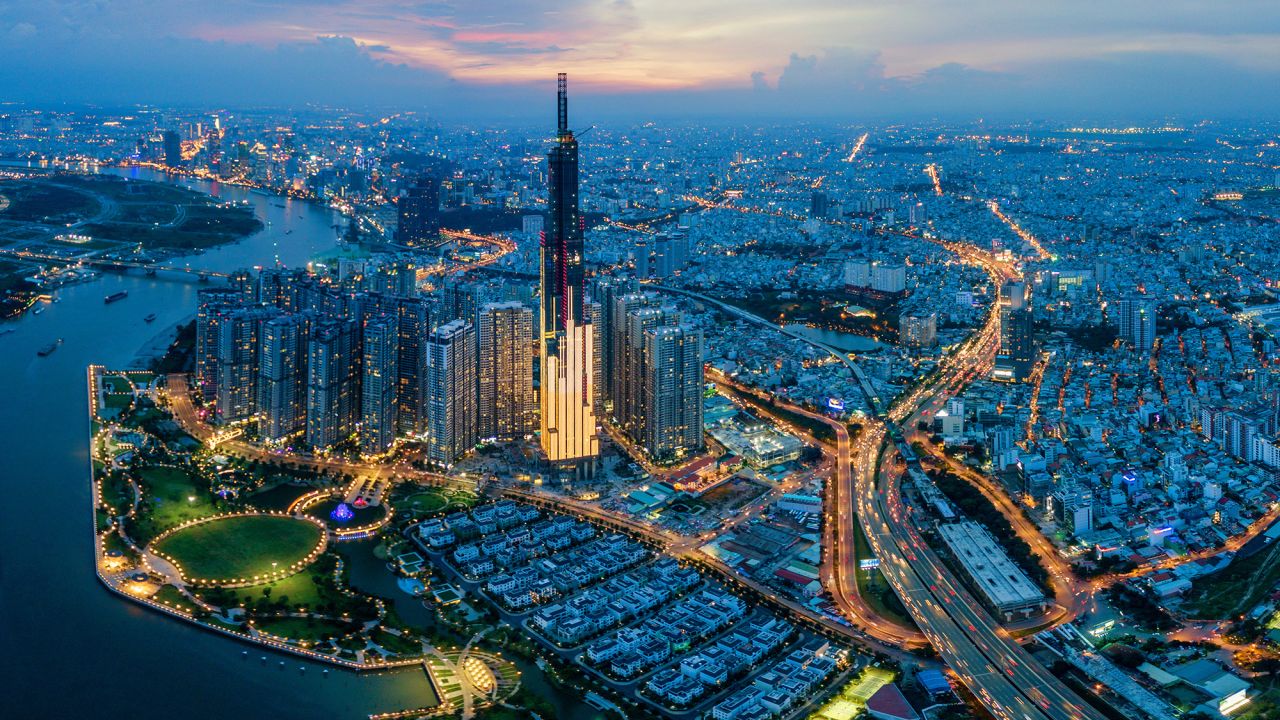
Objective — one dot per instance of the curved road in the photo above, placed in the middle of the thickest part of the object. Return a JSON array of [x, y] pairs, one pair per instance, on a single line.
[[1009, 682]]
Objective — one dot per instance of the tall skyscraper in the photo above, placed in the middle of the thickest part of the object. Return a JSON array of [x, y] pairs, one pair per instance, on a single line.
[[213, 307], [568, 420], [1136, 316], [819, 204], [451, 391], [172, 148], [629, 405], [411, 388], [419, 214], [604, 290], [332, 392], [1016, 355], [239, 339], [595, 312], [460, 300], [617, 361], [379, 363], [672, 393], [507, 405], [282, 378]]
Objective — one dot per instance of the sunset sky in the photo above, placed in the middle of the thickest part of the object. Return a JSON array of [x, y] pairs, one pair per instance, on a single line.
[[875, 57]]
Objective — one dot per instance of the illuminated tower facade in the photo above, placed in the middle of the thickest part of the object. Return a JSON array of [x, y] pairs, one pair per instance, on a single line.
[[568, 422]]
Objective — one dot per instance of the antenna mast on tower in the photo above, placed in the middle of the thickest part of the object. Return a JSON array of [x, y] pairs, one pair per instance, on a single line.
[[562, 104]]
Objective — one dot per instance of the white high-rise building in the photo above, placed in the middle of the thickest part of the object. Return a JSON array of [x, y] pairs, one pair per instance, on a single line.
[[919, 331], [451, 391], [1136, 316], [882, 277]]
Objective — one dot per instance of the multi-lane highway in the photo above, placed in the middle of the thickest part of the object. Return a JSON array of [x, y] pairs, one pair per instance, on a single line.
[[992, 665], [1011, 683]]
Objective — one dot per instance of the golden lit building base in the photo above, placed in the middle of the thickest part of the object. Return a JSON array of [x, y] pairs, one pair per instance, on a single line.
[[569, 435]]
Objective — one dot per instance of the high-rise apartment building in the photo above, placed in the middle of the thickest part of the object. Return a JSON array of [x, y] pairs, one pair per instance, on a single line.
[[282, 378], [918, 331], [213, 307], [379, 379], [507, 403], [1136, 317], [332, 391], [419, 214], [236, 397], [451, 391], [172, 148], [629, 406], [617, 360], [1016, 355], [671, 419], [411, 398]]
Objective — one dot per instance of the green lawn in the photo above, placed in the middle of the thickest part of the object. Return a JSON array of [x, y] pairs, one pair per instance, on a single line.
[[240, 547], [308, 629], [173, 496], [117, 401], [312, 589], [117, 384], [398, 644], [169, 595], [117, 494], [425, 503]]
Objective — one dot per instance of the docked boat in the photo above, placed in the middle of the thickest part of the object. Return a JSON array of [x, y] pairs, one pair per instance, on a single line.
[[48, 349], [116, 296], [150, 318]]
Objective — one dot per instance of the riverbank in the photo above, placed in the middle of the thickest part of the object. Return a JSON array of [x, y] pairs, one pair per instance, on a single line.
[[56, 224], [123, 651], [126, 584]]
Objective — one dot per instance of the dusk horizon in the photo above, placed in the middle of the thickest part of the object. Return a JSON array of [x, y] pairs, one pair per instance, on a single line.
[[640, 360], [636, 61]]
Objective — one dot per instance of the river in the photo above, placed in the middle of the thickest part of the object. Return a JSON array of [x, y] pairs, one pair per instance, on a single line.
[[68, 647]]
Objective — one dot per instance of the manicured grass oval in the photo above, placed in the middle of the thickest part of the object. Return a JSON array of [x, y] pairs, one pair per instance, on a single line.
[[241, 546]]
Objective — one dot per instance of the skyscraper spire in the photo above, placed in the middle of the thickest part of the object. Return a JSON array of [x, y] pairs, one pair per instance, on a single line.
[[568, 422], [562, 105]]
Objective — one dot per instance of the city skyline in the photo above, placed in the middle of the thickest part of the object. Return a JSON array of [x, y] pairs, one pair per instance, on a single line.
[[821, 59], [828, 360]]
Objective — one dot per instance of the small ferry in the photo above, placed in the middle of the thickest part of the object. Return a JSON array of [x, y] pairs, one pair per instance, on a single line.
[[149, 318], [116, 296], [48, 349], [37, 310]]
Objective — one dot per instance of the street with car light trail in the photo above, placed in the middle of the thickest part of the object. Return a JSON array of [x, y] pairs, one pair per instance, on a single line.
[[1009, 682]]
